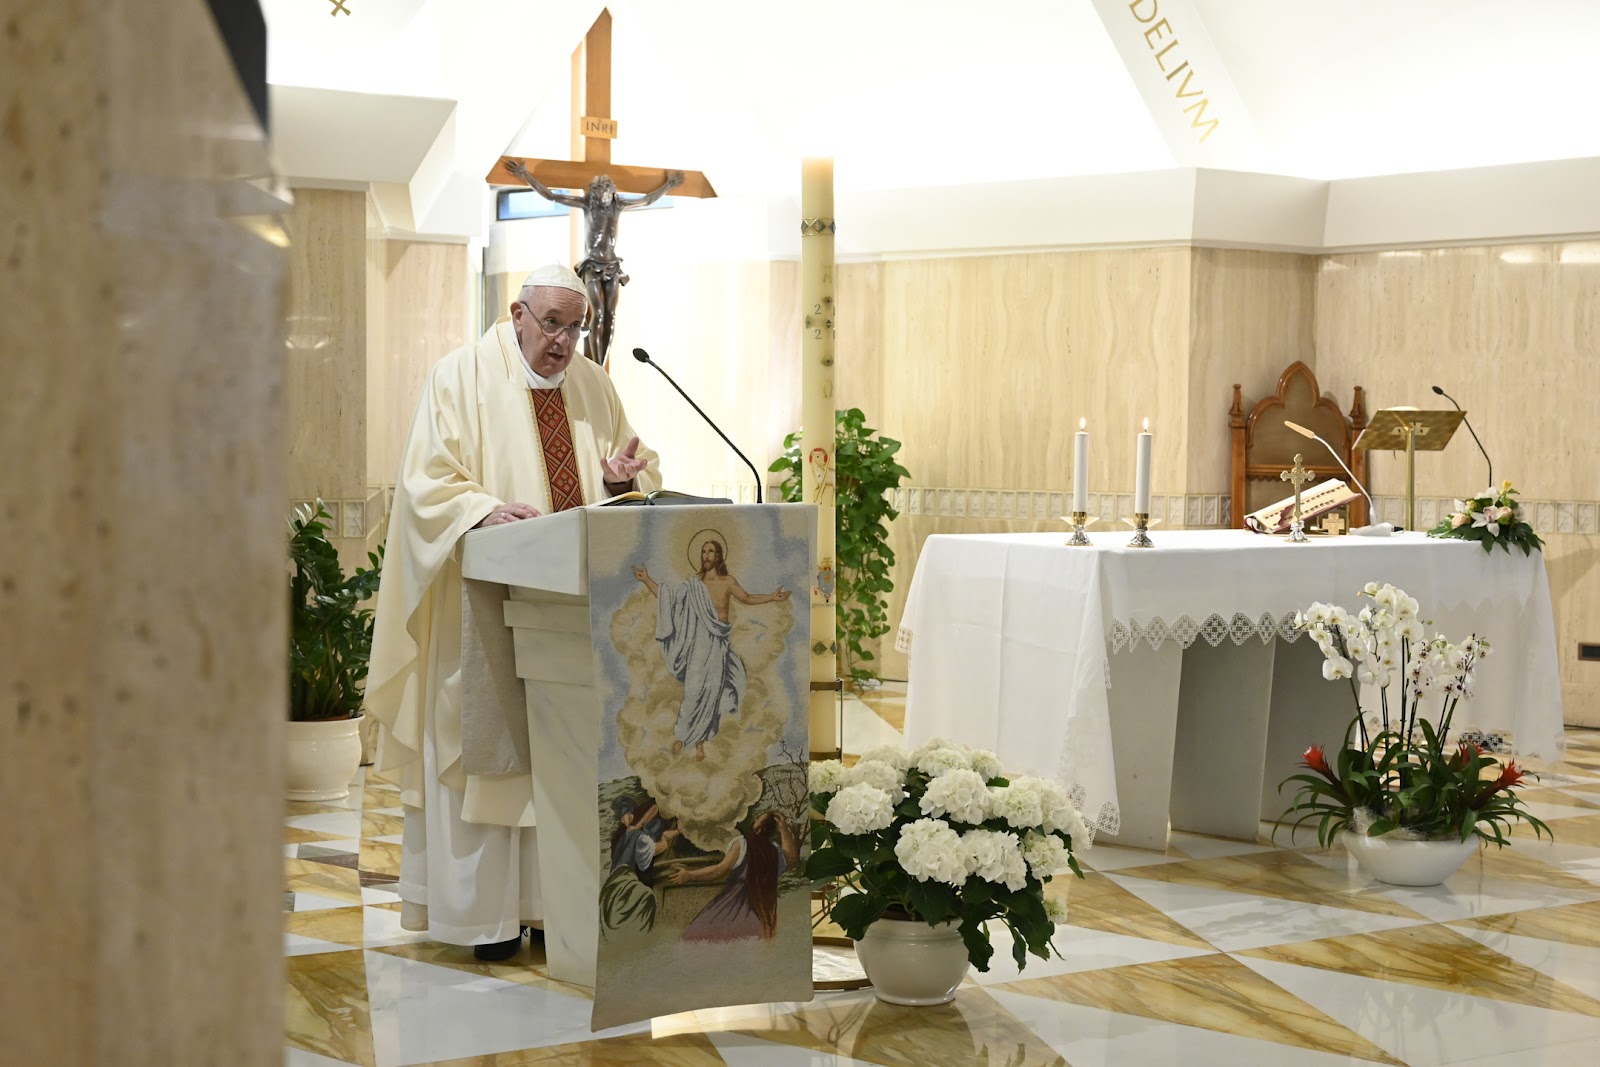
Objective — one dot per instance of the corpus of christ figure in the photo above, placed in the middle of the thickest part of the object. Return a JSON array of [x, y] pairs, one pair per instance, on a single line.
[[601, 269]]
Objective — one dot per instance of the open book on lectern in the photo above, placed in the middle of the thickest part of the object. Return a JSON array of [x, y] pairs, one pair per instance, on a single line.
[[661, 497]]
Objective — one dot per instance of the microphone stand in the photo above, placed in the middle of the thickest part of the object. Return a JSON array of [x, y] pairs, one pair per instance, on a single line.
[[1372, 509], [1473, 432], [644, 357]]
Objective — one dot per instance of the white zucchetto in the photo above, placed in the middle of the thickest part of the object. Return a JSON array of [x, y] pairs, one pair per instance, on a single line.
[[555, 276]]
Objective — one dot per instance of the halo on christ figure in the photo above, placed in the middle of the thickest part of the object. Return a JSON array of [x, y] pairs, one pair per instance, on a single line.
[[697, 542]]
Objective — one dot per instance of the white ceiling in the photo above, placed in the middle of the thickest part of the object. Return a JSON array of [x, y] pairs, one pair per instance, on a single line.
[[909, 94]]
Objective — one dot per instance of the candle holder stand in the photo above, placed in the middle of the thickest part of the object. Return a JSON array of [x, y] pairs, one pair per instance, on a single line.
[[1141, 530], [1079, 520]]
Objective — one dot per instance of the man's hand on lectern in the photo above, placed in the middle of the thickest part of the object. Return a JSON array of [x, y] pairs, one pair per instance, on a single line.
[[507, 513]]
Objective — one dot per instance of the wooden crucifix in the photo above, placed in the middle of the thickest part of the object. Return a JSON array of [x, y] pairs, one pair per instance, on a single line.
[[593, 130]]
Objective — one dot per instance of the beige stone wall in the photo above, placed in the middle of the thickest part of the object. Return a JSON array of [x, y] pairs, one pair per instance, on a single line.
[[143, 377], [417, 312], [983, 365], [1512, 332]]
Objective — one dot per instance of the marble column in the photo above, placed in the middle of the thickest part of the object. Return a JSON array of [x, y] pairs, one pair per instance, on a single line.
[[141, 588]]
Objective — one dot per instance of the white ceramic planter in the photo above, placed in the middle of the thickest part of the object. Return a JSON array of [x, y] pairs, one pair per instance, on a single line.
[[1402, 862], [322, 758], [910, 962]]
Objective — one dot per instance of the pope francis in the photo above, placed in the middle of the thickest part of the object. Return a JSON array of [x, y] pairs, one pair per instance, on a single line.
[[507, 429]]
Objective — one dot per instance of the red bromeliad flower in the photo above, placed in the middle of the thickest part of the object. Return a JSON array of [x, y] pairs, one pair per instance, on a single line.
[[1508, 777], [1313, 759], [1465, 753]]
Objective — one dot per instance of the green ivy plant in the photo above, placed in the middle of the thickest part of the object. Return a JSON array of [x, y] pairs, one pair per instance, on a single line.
[[330, 631], [865, 472]]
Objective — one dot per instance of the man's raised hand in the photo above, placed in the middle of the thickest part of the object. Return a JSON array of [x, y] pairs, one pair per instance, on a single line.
[[621, 468]]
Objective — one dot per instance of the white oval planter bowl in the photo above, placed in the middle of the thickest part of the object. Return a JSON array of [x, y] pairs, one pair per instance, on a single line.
[[322, 759], [913, 963], [1398, 861]]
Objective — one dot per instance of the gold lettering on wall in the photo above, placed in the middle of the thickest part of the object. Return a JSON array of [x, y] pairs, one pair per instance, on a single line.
[[1162, 39]]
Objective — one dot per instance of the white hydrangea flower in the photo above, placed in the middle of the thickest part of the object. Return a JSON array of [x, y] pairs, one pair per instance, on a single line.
[[860, 809], [987, 764], [896, 757], [993, 855], [961, 794], [880, 774], [1018, 804], [1060, 814], [1045, 854], [930, 851], [825, 776], [1055, 910], [933, 744], [941, 760]]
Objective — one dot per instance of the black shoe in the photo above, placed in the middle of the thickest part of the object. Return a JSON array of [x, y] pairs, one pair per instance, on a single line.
[[500, 950]]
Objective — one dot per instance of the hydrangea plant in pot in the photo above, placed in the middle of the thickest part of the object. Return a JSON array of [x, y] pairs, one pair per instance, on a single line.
[[927, 849]]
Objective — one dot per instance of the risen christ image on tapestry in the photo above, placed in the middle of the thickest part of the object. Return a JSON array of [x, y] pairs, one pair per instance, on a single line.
[[701, 655]]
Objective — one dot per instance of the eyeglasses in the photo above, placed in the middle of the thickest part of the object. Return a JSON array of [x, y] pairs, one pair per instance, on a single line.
[[552, 328]]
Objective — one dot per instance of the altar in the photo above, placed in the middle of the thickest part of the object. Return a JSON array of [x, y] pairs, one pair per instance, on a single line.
[[1170, 684]]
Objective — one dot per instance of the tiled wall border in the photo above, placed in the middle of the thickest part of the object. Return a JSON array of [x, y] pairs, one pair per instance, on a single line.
[[355, 518], [1549, 516], [1032, 505]]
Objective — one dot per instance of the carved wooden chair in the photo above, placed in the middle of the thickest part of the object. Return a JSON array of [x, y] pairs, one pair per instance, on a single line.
[[1263, 446]]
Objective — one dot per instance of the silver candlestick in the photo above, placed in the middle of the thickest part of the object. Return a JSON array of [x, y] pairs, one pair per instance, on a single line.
[[1080, 520], [1141, 531]]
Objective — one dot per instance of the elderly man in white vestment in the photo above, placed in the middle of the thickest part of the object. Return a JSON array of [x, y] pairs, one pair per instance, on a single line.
[[506, 430]]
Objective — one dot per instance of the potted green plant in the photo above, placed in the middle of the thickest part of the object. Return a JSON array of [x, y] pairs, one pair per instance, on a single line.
[[865, 474], [330, 641], [1405, 798], [924, 849]]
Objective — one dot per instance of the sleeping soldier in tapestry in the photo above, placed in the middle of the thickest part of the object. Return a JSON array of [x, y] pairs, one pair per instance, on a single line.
[[642, 835]]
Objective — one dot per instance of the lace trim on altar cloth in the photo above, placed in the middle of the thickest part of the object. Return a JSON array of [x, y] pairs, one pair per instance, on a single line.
[[1214, 630], [1107, 821], [902, 640]]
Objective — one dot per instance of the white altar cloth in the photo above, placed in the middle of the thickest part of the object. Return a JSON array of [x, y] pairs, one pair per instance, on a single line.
[[1014, 639]]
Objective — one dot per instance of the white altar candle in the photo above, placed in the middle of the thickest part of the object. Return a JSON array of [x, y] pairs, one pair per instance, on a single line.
[[1080, 467], [1141, 483]]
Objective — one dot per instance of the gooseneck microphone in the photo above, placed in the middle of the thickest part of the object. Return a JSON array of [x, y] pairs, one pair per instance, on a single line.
[[1470, 430], [1374, 527], [644, 357]]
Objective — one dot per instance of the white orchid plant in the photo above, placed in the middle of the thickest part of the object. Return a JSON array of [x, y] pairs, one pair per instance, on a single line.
[[941, 835], [1398, 771], [1493, 517]]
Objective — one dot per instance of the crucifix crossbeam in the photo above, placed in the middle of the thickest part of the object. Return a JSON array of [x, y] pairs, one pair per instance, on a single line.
[[593, 129]]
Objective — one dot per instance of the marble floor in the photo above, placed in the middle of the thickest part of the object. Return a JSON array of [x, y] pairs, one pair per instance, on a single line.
[[1213, 953]]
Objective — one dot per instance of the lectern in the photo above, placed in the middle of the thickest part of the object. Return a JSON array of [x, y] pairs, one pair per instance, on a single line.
[[663, 657], [1408, 428]]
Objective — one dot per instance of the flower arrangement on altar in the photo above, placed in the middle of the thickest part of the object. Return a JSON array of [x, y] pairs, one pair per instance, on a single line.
[[1398, 772], [1491, 518], [941, 835]]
